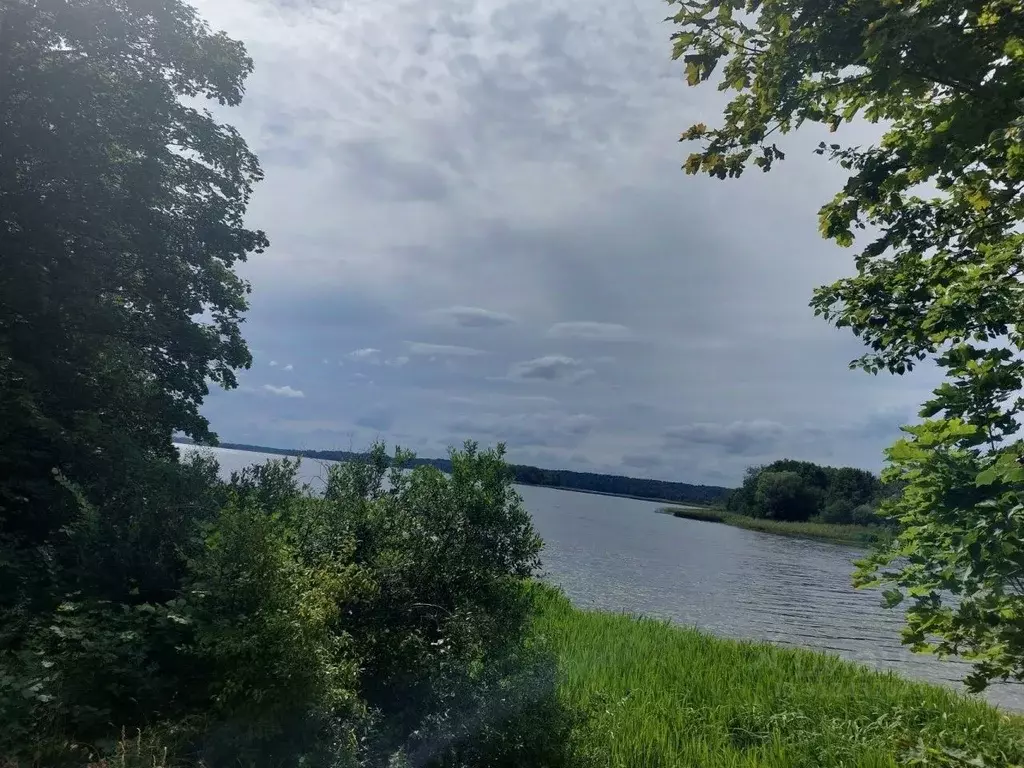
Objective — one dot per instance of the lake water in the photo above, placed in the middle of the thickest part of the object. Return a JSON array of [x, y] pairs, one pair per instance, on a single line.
[[620, 555]]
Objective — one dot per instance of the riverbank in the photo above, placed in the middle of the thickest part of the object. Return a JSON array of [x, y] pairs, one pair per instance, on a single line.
[[839, 534], [662, 695]]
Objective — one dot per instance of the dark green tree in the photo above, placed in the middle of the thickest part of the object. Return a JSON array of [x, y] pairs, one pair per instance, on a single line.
[[784, 496], [121, 223], [938, 202]]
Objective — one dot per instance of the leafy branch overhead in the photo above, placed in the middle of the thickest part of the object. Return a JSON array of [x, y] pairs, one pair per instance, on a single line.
[[935, 209]]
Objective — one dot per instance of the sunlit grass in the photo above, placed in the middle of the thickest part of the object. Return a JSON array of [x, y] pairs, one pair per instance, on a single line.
[[661, 695], [847, 534]]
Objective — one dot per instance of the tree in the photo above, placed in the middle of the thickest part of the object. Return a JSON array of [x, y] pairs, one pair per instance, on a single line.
[[938, 203], [121, 222], [784, 496]]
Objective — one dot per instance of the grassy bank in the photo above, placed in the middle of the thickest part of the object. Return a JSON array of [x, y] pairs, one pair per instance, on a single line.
[[843, 534], [660, 695]]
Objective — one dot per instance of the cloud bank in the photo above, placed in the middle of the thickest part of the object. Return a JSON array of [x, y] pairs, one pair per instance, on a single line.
[[479, 229]]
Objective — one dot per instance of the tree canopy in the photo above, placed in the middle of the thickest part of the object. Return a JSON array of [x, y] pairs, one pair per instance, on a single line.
[[934, 209], [121, 222], [788, 489]]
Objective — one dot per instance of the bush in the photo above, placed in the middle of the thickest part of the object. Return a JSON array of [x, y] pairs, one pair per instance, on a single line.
[[384, 622], [839, 511], [442, 638]]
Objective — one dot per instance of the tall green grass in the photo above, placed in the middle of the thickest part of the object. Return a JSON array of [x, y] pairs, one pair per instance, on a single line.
[[660, 695], [843, 534]]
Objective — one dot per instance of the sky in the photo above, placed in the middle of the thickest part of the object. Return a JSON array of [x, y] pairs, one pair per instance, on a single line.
[[480, 230]]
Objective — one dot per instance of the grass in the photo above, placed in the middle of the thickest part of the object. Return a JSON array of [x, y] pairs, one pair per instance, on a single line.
[[843, 534], [662, 695]]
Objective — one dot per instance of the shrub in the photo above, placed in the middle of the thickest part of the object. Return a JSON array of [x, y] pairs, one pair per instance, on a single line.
[[442, 639], [383, 622], [838, 511]]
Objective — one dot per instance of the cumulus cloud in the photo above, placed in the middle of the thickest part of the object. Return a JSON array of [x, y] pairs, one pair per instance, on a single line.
[[473, 317], [550, 368], [441, 350], [289, 367], [590, 331], [284, 391]]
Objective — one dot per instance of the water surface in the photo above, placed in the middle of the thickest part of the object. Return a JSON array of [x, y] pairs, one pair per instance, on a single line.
[[620, 555]]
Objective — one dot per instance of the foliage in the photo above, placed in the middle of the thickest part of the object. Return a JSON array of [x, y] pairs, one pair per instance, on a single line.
[[939, 199], [663, 695], [801, 490], [444, 628], [121, 207], [784, 496], [383, 621], [244, 622]]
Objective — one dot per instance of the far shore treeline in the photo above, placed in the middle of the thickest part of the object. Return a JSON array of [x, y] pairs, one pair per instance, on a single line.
[[592, 482], [786, 489]]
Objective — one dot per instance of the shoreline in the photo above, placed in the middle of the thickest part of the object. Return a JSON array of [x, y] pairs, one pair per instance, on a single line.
[[862, 535]]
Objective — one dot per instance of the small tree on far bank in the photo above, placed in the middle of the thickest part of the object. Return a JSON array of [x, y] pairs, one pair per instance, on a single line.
[[935, 208]]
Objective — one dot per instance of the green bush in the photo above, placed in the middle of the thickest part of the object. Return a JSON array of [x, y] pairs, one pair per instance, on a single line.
[[252, 622], [442, 639], [838, 511]]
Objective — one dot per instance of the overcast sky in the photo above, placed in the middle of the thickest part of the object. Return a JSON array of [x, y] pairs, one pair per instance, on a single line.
[[479, 229]]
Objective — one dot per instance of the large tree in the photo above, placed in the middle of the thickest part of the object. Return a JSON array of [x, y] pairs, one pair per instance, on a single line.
[[121, 222], [934, 208]]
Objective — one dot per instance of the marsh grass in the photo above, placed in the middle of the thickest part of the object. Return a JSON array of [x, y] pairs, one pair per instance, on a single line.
[[662, 695], [843, 534]]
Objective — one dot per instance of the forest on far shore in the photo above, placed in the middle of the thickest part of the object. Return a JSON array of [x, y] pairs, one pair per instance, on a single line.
[[593, 482]]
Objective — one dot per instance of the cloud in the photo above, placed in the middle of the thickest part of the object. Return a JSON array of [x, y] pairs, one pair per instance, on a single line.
[[273, 363], [741, 438], [539, 429], [474, 317], [441, 350], [643, 461], [284, 391], [590, 330], [289, 367], [378, 418], [509, 170], [366, 354], [550, 368]]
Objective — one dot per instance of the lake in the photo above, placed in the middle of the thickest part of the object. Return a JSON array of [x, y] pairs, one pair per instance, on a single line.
[[620, 555]]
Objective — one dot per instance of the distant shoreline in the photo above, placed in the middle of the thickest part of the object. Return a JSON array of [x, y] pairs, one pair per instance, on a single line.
[[681, 495], [862, 535]]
